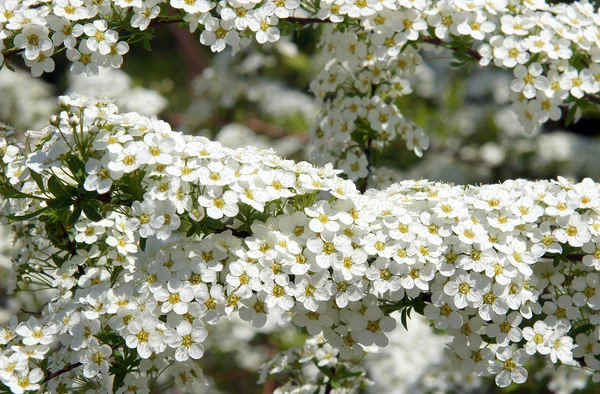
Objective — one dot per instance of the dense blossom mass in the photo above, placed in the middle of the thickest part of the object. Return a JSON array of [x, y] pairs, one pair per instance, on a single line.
[[146, 236], [553, 51]]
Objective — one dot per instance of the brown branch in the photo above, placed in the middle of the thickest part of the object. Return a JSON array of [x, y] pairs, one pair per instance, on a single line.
[[262, 127], [437, 42], [66, 369], [31, 313], [477, 56], [367, 152], [307, 21], [191, 51]]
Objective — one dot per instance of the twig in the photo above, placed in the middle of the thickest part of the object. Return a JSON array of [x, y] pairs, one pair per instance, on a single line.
[[329, 387], [367, 152], [66, 369], [273, 131], [437, 42], [307, 21], [31, 313]]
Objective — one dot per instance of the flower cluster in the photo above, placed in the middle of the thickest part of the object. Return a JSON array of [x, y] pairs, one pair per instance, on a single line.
[[374, 58], [553, 50], [147, 235]]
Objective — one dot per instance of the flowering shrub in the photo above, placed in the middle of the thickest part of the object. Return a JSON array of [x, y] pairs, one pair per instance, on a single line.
[[552, 49], [146, 235], [511, 266]]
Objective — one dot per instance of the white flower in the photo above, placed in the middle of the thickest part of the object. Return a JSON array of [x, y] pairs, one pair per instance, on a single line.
[[130, 158], [34, 39], [100, 37], [312, 289], [476, 25], [314, 321], [175, 297], [279, 293], [164, 220], [98, 178], [509, 366], [95, 359], [143, 16], [26, 381], [574, 230], [187, 340], [219, 203], [329, 248], [219, 34], [537, 338], [142, 335], [561, 344], [261, 23], [33, 333], [464, 289], [529, 80], [141, 216], [193, 6], [326, 356], [323, 218]]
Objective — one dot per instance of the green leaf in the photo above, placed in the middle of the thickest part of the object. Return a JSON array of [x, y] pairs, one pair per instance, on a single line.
[[74, 216], [60, 203], [419, 306], [403, 318], [92, 213], [57, 188], [213, 223], [146, 43], [76, 166], [15, 218], [193, 230], [143, 244], [11, 192], [38, 180], [325, 371], [571, 115], [583, 329], [9, 66]]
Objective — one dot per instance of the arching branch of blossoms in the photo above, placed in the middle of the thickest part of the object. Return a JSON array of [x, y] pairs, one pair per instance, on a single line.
[[179, 240], [68, 368], [145, 235]]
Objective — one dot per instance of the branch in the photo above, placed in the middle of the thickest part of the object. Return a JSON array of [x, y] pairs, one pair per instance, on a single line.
[[307, 21], [261, 127], [367, 152], [437, 42], [31, 313], [477, 56], [66, 369]]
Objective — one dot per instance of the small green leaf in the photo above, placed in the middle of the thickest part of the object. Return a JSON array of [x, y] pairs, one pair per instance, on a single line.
[[193, 230], [146, 43], [57, 188], [74, 216], [403, 319], [38, 180], [76, 166], [583, 329], [143, 244], [60, 203], [571, 115], [213, 223], [11, 192], [9, 66], [15, 218], [326, 371], [92, 213]]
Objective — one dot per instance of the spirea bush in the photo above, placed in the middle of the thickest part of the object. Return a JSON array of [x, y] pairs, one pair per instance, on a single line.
[[146, 235]]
